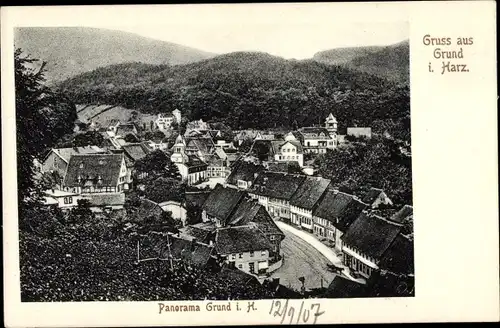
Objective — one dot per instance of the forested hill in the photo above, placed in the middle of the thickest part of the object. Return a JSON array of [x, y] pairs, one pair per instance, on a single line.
[[390, 62], [249, 89], [73, 50]]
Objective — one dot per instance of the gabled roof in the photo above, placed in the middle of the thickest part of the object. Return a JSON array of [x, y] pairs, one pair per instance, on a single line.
[[372, 195], [341, 287], [371, 234], [245, 171], [402, 214], [196, 198], [126, 128], [276, 185], [135, 151], [399, 257], [314, 132], [309, 192], [100, 169], [194, 161], [163, 246], [66, 153], [339, 208], [204, 145], [222, 202], [277, 144], [240, 239], [192, 232], [214, 160]]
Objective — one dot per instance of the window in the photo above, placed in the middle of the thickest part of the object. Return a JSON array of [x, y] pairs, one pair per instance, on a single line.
[[233, 257], [263, 253], [272, 237], [241, 255], [251, 254], [68, 200], [240, 266]]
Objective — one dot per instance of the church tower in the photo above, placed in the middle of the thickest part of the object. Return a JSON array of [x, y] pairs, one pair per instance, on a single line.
[[179, 154], [331, 124]]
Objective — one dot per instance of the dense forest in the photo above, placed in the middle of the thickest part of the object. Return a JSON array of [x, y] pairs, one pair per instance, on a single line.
[[251, 90]]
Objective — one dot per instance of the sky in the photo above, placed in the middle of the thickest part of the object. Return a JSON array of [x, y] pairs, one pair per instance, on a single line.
[[287, 30], [297, 41]]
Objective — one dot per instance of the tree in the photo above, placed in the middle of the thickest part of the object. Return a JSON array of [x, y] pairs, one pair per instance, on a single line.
[[81, 212], [154, 135], [42, 117], [154, 165], [163, 189], [193, 214], [88, 138], [50, 180]]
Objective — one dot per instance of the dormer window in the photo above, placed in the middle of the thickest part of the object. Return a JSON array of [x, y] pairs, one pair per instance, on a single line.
[[79, 179], [81, 165], [101, 162]]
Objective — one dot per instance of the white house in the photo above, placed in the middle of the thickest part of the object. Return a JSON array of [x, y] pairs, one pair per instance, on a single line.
[[62, 199], [288, 151], [192, 169], [164, 122]]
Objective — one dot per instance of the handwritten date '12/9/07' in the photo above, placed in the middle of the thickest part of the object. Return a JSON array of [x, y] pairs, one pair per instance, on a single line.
[[307, 313]]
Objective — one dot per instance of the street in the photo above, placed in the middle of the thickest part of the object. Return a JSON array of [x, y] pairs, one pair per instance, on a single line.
[[302, 260]]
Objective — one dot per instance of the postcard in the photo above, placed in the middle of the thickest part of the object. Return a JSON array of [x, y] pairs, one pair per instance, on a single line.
[[248, 164]]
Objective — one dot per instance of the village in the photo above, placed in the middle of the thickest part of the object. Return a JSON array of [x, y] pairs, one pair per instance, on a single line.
[[261, 207]]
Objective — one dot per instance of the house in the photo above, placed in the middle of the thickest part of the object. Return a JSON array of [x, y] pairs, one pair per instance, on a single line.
[[106, 201], [200, 147], [249, 212], [341, 287], [366, 241], [265, 136], [305, 199], [287, 151], [124, 129], [244, 174], [316, 139], [62, 199], [216, 167], [176, 209], [96, 173], [57, 159], [169, 246], [376, 197], [202, 232], [220, 204], [404, 214], [132, 153], [359, 132], [244, 247], [165, 122], [192, 169], [244, 135], [158, 143], [334, 213], [274, 191]]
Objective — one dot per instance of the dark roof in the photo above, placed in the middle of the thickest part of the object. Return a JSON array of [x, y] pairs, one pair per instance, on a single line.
[[214, 160], [126, 128], [135, 151], [284, 167], [204, 145], [372, 195], [238, 276], [196, 198], [313, 132], [106, 199], [399, 257], [370, 234], [222, 201], [403, 214], [243, 171], [99, 169], [157, 245], [199, 234], [148, 208], [240, 239], [250, 211], [339, 208], [309, 192], [194, 161], [277, 185], [341, 287]]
